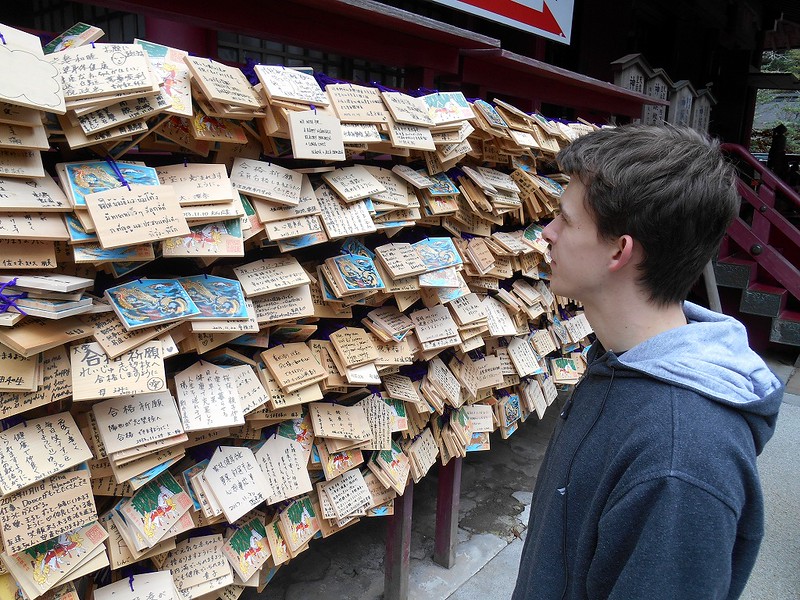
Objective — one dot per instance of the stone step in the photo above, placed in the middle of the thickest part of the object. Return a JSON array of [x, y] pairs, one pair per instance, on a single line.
[[735, 272], [764, 300], [786, 328]]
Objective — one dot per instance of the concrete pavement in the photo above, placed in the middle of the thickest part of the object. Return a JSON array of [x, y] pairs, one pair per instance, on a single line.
[[776, 574]]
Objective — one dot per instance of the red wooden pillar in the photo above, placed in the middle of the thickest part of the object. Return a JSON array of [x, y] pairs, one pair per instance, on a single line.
[[398, 547], [540, 48], [447, 500], [539, 53]]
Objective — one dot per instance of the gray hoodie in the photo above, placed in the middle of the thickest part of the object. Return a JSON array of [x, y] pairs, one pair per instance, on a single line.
[[649, 488]]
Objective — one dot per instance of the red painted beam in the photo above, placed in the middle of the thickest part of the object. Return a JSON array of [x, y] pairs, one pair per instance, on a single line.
[[502, 80], [383, 34], [376, 14], [521, 76], [360, 29]]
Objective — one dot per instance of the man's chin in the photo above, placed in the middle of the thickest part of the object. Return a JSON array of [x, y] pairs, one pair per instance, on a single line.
[[558, 289], [554, 286]]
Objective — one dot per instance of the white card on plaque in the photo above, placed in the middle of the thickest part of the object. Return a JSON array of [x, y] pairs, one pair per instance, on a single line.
[[237, 481], [281, 83], [208, 397], [341, 219], [39, 448], [353, 183], [27, 78], [316, 136], [266, 180], [130, 421]]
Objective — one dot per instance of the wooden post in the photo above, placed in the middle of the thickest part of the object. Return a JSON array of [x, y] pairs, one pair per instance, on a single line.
[[447, 500], [710, 280], [398, 547]]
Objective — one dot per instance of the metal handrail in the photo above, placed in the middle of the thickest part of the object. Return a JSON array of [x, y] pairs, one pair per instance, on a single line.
[[775, 218], [767, 176], [766, 256], [755, 239]]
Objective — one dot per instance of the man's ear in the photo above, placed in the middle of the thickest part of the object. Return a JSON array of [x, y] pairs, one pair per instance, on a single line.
[[624, 253]]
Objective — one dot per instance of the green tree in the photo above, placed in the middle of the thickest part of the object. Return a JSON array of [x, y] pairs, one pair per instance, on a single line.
[[146, 499], [295, 510], [781, 62], [240, 541], [42, 548], [778, 62]]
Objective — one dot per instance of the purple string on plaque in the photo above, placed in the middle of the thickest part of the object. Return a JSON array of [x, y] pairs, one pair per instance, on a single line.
[[455, 173], [10, 300], [383, 88], [120, 177], [250, 71], [415, 372], [422, 92], [325, 80]]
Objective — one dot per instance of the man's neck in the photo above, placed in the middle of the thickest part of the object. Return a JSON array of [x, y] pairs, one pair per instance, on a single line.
[[621, 325]]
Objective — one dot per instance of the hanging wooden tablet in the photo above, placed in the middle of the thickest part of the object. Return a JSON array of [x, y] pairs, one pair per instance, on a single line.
[[316, 136]]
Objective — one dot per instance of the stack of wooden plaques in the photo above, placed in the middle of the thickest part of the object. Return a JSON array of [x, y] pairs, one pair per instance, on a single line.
[[305, 298]]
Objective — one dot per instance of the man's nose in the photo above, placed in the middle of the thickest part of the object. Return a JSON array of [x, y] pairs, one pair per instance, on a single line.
[[548, 231]]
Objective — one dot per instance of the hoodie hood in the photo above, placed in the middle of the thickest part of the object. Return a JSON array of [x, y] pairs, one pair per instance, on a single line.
[[711, 356]]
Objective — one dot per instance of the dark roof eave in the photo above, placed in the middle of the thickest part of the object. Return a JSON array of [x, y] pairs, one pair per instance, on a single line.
[[546, 72]]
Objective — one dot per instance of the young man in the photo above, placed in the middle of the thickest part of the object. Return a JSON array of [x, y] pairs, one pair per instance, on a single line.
[[649, 488]]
